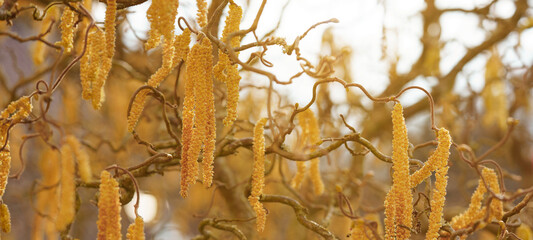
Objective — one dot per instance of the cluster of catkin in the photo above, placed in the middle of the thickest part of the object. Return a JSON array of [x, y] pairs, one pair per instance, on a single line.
[[225, 71], [96, 62], [199, 121], [398, 202], [258, 174], [15, 112], [309, 139]]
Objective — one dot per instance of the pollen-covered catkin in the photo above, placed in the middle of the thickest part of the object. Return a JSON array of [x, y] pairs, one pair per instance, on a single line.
[[438, 158], [161, 14], [68, 19], [181, 47], [198, 113], [108, 208], [226, 72], [67, 196], [437, 203], [84, 167], [299, 177], [398, 202], [475, 211], [97, 93], [202, 13], [5, 164], [136, 230], [5, 218], [154, 81], [258, 174], [91, 60]]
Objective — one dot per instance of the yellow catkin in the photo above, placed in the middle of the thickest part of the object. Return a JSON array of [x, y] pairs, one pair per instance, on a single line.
[[136, 230], [108, 208], [198, 113], [437, 159], [226, 72], [137, 108], [258, 174], [5, 218], [161, 14], [67, 196], [154, 81], [68, 19], [97, 93], [16, 111], [181, 47], [496, 206], [524, 232], [47, 199], [360, 231], [437, 203], [202, 13], [91, 60], [84, 167], [398, 203], [310, 137], [210, 131], [299, 177], [475, 211], [88, 5]]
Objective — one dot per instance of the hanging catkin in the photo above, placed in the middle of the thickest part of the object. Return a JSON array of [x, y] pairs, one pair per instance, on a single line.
[[258, 174], [108, 208]]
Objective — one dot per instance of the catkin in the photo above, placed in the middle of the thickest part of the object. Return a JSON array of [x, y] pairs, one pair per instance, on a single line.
[[39, 49], [202, 13], [67, 196], [310, 136], [68, 19], [154, 81], [198, 116], [438, 158], [181, 47], [108, 208], [84, 167], [161, 15], [136, 230], [400, 194], [47, 200], [226, 72], [91, 60], [16, 111], [5, 218], [475, 211], [97, 93], [258, 174], [437, 203]]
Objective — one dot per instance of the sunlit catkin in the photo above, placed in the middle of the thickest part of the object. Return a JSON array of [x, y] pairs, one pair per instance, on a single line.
[[202, 13], [84, 167], [90, 62], [108, 208], [161, 15], [5, 218], [438, 159], [437, 203], [68, 19], [67, 196], [226, 72], [181, 47], [136, 230], [98, 94], [198, 113], [398, 202], [496, 206], [258, 174], [154, 81]]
